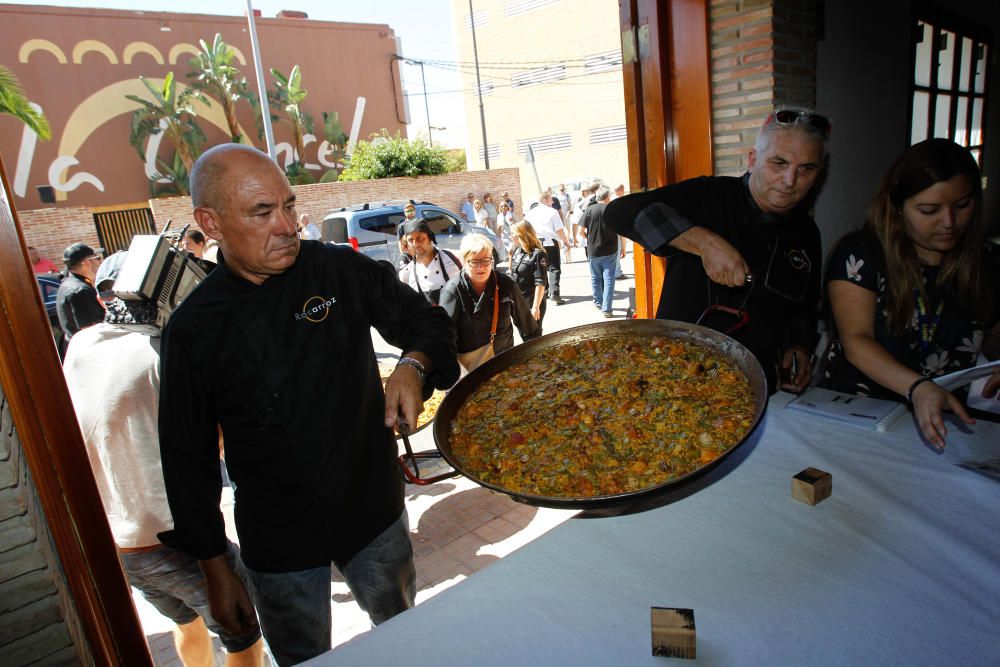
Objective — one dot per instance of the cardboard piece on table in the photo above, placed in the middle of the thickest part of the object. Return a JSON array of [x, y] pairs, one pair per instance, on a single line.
[[812, 486], [673, 632]]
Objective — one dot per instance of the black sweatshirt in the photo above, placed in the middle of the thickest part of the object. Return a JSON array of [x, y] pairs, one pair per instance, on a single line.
[[783, 253], [288, 370]]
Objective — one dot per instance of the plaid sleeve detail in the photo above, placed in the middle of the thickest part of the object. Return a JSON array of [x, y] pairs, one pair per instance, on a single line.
[[659, 224]]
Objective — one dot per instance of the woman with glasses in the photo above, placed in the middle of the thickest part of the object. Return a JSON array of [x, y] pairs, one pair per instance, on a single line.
[[913, 293], [485, 306], [529, 267]]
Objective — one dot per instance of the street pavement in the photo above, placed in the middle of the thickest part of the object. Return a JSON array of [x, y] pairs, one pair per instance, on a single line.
[[457, 527]]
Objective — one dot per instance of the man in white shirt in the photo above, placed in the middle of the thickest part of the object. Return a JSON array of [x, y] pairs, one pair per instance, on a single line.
[[112, 372], [468, 210], [548, 225], [307, 230], [431, 267]]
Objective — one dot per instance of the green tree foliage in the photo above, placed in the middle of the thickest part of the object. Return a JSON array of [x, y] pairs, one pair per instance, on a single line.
[[456, 159], [384, 156], [286, 97], [213, 73], [14, 102], [172, 113], [334, 134]]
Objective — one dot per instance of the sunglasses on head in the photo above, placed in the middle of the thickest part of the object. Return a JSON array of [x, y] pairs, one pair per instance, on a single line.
[[791, 118]]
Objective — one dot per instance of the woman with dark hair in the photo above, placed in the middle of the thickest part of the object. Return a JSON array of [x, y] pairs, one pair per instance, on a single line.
[[913, 292], [529, 267]]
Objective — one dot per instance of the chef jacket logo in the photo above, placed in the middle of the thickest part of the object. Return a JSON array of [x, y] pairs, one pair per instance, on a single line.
[[316, 309], [798, 260]]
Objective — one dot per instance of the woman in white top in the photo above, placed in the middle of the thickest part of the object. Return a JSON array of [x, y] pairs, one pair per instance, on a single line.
[[481, 218], [491, 213]]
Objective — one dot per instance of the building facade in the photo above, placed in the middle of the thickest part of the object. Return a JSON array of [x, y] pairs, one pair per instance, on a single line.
[[551, 79], [78, 65]]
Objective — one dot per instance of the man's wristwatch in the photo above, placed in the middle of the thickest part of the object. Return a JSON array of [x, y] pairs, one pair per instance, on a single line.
[[414, 364]]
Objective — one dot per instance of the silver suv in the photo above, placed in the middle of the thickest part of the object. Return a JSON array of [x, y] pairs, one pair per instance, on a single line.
[[371, 228]]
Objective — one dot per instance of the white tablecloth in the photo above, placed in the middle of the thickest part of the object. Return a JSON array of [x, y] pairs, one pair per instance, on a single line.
[[901, 565]]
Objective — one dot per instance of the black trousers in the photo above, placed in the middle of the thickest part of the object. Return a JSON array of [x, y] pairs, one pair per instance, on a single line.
[[555, 269]]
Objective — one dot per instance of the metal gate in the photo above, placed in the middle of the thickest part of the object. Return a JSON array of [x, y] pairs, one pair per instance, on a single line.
[[116, 227]]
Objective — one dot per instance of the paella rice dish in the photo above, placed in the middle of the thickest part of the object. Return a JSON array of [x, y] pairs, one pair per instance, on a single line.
[[603, 416]]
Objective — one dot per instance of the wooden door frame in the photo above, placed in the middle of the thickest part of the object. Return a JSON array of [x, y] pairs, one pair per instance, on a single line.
[[666, 65], [56, 456]]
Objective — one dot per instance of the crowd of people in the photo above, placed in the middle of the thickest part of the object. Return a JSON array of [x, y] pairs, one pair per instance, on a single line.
[[270, 359]]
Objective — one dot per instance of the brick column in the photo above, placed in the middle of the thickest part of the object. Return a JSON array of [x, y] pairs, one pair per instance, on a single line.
[[763, 56]]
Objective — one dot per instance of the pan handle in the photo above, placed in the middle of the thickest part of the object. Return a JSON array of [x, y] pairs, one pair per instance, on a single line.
[[413, 476]]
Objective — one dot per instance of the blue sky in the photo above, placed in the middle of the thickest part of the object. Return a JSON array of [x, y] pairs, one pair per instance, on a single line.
[[423, 26]]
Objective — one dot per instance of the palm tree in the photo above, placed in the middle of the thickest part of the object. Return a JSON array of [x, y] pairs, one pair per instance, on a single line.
[[173, 114], [214, 73], [13, 101], [287, 95]]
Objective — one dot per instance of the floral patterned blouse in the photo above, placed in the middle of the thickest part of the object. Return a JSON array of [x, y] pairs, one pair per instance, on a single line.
[[939, 339]]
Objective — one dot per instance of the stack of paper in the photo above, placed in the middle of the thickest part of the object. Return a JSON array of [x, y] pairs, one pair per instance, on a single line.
[[862, 411]]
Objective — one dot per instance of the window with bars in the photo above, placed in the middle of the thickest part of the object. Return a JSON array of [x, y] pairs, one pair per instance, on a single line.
[[536, 76], [553, 142], [481, 18], [494, 152], [602, 62], [608, 135], [516, 7], [486, 88], [950, 64]]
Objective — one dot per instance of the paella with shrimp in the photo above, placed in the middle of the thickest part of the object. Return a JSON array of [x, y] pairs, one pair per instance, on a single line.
[[603, 416]]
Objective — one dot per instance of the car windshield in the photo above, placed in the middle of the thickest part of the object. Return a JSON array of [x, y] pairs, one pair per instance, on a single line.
[[442, 223], [383, 224]]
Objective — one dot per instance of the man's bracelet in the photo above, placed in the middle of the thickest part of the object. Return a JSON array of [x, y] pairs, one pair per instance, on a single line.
[[414, 364], [916, 383]]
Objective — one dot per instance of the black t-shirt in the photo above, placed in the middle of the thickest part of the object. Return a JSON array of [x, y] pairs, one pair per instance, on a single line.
[[288, 370], [783, 253], [77, 305], [602, 240], [954, 334], [529, 270]]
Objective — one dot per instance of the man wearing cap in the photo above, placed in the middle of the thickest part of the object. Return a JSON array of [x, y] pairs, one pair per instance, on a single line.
[[77, 303], [431, 266], [112, 372], [743, 252]]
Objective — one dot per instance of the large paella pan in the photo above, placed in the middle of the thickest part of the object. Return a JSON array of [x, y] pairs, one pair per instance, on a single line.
[[604, 414]]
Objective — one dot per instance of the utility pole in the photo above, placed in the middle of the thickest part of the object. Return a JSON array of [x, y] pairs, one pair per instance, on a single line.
[[265, 110], [427, 108], [479, 86]]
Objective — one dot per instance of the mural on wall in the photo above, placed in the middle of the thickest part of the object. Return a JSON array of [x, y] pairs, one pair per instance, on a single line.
[[78, 66]]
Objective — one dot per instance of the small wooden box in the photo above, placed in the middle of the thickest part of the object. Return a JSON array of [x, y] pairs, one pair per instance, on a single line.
[[812, 486], [673, 632]]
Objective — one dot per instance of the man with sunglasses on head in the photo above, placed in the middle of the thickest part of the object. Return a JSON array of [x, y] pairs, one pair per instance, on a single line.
[[744, 252]]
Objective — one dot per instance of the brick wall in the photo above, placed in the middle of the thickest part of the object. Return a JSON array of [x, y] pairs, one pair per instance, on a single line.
[[763, 55], [50, 230], [38, 621], [448, 190]]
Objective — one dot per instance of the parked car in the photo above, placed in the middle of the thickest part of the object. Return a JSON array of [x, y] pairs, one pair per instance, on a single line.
[[48, 285], [371, 228]]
